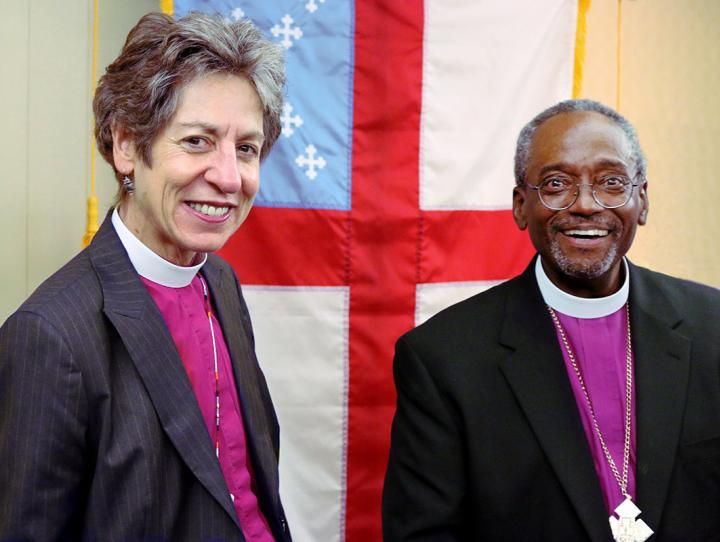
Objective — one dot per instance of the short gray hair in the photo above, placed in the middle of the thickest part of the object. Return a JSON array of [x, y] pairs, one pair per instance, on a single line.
[[522, 150], [141, 89]]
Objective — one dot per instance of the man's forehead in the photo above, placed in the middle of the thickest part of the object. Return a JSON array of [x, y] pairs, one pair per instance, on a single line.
[[583, 133], [571, 121]]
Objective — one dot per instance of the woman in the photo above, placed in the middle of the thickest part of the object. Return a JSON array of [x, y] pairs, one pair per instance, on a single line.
[[132, 406]]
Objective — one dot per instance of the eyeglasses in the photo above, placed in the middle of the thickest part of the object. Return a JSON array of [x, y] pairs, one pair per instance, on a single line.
[[560, 193]]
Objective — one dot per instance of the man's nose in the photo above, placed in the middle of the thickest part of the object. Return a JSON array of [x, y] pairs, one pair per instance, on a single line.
[[585, 201]]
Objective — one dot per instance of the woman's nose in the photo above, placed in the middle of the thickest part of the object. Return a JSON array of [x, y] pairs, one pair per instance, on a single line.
[[224, 172]]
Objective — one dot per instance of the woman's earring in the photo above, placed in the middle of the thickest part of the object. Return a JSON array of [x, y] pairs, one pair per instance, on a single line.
[[128, 185]]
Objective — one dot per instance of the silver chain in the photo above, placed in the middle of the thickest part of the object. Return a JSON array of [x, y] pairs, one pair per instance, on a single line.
[[621, 480]]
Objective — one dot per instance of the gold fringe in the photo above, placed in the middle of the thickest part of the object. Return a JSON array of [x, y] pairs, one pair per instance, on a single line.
[[618, 52], [92, 219], [167, 7], [92, 224], [580, 39]]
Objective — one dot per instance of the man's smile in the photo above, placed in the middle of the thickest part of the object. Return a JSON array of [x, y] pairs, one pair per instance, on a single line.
[[586, 234]]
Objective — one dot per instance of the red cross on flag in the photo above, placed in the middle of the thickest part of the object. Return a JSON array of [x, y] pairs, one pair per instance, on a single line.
[[386, 199]]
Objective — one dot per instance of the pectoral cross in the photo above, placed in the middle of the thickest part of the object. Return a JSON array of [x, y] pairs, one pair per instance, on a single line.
[[627, 528]]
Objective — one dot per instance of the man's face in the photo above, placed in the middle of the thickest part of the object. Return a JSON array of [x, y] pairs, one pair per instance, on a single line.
[[582, 246]]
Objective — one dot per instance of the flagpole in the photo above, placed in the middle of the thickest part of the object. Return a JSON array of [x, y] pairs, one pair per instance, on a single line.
[[92, 201]]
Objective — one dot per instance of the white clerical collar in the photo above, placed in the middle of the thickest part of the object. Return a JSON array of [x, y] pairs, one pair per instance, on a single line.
[[150, 265], [581, 307]]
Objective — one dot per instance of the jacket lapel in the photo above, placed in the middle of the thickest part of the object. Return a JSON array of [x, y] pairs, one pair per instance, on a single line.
[[129, 307], [662, 363], [537, 375], [232, 312]]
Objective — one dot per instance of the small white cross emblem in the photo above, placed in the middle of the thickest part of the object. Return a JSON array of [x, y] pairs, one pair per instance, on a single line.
[[311, 162], [288, 120], [627, 528], [286, 31], [312, 6]]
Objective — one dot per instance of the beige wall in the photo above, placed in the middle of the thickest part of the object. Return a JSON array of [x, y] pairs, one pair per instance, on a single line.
[[669, 88], [45, 105], [670, 83]]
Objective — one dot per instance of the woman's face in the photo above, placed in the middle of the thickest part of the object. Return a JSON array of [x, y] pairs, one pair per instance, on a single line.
[[205, 170]]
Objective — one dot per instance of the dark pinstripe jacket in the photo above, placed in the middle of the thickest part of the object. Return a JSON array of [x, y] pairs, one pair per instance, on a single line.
[[101, 437]]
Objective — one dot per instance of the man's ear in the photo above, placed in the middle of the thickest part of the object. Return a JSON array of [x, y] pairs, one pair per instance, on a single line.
[[124, 152], [644, 203], [518, 208]]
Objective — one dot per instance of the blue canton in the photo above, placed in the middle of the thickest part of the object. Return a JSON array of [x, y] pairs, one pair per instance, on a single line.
[[309, 167]]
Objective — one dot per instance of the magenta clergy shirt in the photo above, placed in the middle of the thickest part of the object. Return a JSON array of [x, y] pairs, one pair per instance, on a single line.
[[183, 309], [596, 329], [600, 346]]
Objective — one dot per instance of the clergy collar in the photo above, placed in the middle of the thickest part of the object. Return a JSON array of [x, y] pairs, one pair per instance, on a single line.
[[581, 307], [148, 264]]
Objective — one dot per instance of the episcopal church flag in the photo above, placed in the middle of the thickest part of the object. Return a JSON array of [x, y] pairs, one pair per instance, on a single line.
[[386, 198]]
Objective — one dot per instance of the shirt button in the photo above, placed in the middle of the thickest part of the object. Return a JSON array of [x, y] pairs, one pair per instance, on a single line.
[[232, 497]]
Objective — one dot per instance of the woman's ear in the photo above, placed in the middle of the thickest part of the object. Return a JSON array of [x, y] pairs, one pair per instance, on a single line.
[[124, 152]]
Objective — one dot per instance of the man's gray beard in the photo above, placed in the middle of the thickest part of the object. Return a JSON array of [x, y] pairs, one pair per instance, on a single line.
[[582, 269]]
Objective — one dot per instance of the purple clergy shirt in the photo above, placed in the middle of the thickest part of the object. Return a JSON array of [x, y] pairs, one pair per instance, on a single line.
[[184, 312], [600, 349]]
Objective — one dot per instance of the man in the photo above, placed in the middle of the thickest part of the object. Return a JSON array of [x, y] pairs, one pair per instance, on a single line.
[[579, 400]]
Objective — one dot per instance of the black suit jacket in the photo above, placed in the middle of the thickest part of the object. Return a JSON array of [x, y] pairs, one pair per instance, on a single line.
[[487, 442], [101, 437]]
